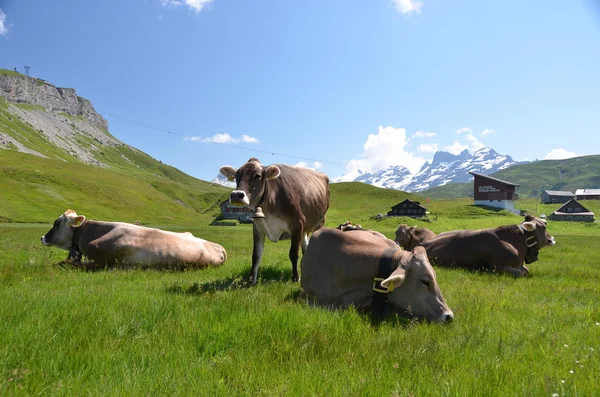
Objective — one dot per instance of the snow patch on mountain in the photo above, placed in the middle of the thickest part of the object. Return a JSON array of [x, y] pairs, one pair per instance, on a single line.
[[444, 168]]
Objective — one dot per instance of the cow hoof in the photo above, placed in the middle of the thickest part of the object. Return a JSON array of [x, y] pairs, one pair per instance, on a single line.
[[525, 271]]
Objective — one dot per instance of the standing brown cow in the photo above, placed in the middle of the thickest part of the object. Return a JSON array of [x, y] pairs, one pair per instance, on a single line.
[[409, 237], [285, 199], [503, 249]]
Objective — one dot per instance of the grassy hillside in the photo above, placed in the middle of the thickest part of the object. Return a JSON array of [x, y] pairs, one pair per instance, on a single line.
[[533, 178], [69, 332], [35, 189]]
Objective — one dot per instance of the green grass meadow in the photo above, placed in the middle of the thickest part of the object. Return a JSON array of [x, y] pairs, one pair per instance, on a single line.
[[141, 332]]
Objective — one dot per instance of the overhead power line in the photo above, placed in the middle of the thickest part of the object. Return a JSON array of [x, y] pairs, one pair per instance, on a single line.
[[222, 143]]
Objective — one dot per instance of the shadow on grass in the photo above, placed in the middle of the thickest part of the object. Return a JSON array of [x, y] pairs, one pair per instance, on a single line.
[[236, 282], [392, 317], [88, 266]]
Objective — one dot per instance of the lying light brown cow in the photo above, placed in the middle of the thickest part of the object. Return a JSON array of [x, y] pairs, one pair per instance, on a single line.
[[339, 269], [124, 244]]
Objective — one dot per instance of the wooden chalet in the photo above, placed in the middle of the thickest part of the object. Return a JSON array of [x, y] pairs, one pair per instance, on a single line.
[[572, 211], [494, 192], [587, 194], [230, 211], [408, 208], [554, 196]]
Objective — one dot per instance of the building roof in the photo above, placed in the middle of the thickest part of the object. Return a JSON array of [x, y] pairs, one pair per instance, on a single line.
[[414, 203], [583, 210], [583, 192], [573, 213], [492, 178], [558, 193]]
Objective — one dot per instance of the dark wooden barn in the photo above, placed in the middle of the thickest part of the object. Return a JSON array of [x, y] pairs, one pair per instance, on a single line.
[[573, 211], [554, 196], [408, 208], [493, 192]]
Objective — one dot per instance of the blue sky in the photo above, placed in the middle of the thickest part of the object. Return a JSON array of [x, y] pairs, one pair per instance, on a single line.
[[350, 83]]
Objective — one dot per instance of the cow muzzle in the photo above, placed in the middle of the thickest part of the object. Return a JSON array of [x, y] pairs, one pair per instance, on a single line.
[[552, 241], [447, 317], [43, 239], [239, 197]]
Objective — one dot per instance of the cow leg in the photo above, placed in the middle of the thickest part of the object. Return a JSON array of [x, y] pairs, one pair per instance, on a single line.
[[294, 248], [513, 271], [257, 252]]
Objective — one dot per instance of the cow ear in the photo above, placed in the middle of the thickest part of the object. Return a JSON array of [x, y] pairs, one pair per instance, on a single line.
[[228, 171], [395, 279], [272, 172], [529, 226], [76, 221]]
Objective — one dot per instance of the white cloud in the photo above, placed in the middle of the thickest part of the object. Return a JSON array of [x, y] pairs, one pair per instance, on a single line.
[[455, 148], [559, 154], [428, 148], [315, 166], [474, 142], [424, 134], [408, 6], [196, 5], [223, 138], [462, 130], [3, 25], [249, 139], [487, 131], [384, 149]]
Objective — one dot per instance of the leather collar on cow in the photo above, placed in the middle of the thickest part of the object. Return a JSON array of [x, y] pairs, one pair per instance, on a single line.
[[384, 270], [531, 255]]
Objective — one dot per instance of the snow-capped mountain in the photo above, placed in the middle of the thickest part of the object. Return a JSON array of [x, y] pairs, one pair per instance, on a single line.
[[444, 168], [392, 178], [222, 180]]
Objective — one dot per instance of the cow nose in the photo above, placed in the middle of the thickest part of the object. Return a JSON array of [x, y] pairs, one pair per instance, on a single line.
[[449, 317], [237, 196]]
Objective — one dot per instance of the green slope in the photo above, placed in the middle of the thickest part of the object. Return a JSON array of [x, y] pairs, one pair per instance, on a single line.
[[35, 189], [533, 178]]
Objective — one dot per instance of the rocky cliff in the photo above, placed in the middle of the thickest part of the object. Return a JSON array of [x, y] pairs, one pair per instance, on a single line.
[[18, 88], [39, 118]]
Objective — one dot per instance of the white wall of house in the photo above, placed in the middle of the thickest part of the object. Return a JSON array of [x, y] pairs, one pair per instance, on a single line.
[[504, 204]]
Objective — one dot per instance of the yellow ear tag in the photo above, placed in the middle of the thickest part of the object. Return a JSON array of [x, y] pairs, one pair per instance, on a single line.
[[391, 287]]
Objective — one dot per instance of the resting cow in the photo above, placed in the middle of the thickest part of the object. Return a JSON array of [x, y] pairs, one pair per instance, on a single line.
[[124, 244], [285, 199], [341, 269], [409, 237], [502, 249]]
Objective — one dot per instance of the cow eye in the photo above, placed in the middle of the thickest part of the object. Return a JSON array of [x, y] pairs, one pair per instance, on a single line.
[[257, 176], [426, 282]]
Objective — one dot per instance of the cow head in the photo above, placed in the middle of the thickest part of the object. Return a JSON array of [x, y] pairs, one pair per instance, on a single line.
[[538, 227], [415, 288], [403, 235], [250, 180], [61, 234]]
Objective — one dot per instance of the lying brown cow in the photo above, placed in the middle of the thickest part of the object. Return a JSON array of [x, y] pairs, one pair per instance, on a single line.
[[285, 199], [409, 237], [502, 249], [112, 243], [339, 270]]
